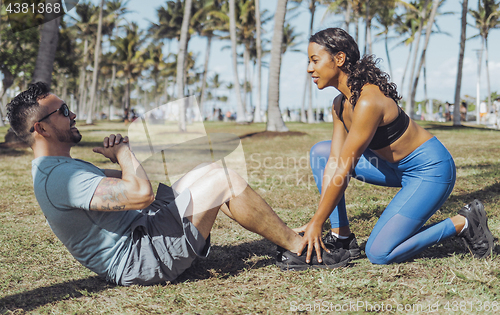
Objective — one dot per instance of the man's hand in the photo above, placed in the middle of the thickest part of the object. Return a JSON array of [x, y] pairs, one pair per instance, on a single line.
[[112, 145]]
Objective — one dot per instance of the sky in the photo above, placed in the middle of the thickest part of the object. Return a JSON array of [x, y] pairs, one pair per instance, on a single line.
[[442, 55]]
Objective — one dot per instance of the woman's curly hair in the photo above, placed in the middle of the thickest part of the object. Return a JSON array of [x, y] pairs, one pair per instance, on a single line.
[[359, 71]]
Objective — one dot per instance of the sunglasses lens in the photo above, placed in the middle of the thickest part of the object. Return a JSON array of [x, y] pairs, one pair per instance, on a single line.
[[65, 110]]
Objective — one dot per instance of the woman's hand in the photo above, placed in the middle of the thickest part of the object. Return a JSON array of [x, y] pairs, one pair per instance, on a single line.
[[301, 229], [313, 240]]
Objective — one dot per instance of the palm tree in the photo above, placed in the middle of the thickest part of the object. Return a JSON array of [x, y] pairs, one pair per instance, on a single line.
[[275, 121], [418, 32], [346, 7], [97, 54], [207, 19], [311, 5], [48, 45], [17, 52], [257, 118], [115, 10], [240, 111], [168, 27], [385, 16], [430, 23], [486, 18], [155, 61], [456, 113], [85, 25], [181, 58], [129, 58]]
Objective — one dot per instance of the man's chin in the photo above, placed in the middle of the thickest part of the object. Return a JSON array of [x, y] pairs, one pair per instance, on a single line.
[[76, 138]]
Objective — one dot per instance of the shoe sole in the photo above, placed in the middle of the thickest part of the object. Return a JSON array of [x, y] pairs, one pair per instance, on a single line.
[[479, 208], [287, 267]]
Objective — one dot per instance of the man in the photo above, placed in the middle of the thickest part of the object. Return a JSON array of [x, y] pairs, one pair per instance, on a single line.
[[93, 211]]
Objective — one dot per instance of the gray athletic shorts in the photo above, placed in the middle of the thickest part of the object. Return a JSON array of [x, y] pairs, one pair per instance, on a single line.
[[163, 243]]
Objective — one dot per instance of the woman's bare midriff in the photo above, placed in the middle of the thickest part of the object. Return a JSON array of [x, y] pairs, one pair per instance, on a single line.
[[413, 137]]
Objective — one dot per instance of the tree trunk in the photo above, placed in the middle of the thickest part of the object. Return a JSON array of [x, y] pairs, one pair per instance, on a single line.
[[275, 120], [165, 92], [246, 61], [83, 71], [1, 103], [478, 87], [240, 116], [367, 27], [347, 16], [406, 68], [435, 5], [410, 101], [111, 98], [49, 37], [7, 81], [458, 86], [127, 98], [205, 73], [181, 58], [356, 30], [256, 116], [310, 114], [97, 53], [487, 72], [303, 116], [387, 52]]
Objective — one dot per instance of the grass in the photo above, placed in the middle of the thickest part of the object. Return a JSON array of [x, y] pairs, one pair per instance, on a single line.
[[38, 275]]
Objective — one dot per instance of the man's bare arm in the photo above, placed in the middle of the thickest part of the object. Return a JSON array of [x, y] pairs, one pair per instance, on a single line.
[[113, 173], [130, 192]]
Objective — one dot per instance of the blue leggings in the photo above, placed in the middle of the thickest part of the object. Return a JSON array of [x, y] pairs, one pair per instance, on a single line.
[[427, 177]]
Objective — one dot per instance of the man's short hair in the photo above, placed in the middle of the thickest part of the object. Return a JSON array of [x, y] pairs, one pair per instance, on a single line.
[[24, 110]]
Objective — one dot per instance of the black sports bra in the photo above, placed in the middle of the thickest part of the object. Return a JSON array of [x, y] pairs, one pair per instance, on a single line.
[[387, 134]]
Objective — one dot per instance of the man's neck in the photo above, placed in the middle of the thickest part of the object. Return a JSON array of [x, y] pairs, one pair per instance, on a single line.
[[45, 149]]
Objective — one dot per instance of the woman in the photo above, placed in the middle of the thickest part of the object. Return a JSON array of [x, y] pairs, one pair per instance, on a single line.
[[375, 141]]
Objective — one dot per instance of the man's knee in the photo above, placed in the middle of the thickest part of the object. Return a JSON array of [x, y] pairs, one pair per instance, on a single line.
[[227, 179]]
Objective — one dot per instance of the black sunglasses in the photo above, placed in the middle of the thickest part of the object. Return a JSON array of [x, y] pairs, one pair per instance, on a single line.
[[64, 110]]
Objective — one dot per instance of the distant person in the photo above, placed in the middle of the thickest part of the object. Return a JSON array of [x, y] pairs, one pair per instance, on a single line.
[[94, 212], [447, 111], [375, 141], [463, 111], [483, 110]]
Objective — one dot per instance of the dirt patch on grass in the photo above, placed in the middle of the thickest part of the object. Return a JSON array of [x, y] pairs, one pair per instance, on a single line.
[[273, 134]]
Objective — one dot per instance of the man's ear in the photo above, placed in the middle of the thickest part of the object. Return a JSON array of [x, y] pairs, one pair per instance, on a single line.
[[340, 58], [41, 130]]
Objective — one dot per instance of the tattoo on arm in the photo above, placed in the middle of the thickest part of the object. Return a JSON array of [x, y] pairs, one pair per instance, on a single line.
[[111, 190]]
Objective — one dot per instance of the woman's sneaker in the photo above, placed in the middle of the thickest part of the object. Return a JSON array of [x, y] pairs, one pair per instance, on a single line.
[[350, 244], [477, 236]]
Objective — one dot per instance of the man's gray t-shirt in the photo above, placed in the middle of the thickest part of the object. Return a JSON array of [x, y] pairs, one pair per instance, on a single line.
[[99, 240]]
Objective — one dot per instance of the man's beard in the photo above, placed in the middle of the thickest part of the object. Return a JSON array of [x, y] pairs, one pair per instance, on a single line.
[[68, 136]]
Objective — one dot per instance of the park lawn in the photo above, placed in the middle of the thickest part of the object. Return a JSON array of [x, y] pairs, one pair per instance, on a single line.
[[38, 275]]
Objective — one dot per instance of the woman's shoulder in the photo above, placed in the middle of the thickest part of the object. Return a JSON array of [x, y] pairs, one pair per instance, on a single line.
[[371, 95]]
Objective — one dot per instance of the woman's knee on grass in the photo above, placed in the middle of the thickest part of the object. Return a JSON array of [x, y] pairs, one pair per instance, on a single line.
[[377, 258]]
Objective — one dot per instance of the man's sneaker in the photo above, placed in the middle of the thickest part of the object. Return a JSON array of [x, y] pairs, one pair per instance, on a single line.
[[350, 243], [477, 236], [289, 261]]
